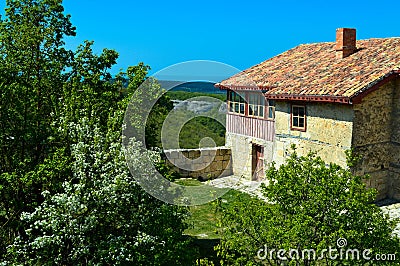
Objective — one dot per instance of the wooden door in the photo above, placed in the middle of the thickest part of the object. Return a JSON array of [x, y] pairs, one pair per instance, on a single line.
[[258, 163]]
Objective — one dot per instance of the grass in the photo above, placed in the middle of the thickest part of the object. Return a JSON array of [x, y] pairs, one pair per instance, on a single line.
[[203, 220], [204, 217]]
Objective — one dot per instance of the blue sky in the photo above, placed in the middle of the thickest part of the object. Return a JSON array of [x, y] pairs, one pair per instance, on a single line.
[[237, 33]]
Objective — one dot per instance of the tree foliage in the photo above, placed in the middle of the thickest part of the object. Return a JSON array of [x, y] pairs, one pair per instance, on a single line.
[[32, 71], [103, 217], [312, 205], [198, 128], [66, 194]]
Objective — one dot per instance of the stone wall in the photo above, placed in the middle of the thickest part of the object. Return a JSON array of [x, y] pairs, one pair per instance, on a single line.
[[203, 164], [329, 131], [372, 137], [394, 166]]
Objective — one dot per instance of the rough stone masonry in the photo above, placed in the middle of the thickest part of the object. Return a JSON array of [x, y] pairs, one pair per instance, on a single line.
[[216, 162]]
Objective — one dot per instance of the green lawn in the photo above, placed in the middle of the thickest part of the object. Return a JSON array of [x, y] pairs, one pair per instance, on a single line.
[[204, 217]]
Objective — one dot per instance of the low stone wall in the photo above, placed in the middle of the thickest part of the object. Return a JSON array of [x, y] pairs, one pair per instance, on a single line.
[[202, 164]]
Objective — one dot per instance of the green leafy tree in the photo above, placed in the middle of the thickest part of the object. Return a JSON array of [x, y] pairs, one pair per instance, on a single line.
[[67, 197], [33, 62], [103, 217], [312, 205], [33, 65]]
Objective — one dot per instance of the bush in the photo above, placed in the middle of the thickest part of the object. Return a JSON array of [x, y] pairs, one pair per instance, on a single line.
[[312, 206]]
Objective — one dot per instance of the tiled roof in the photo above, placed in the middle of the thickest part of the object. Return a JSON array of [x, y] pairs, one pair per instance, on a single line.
[[313, 70]]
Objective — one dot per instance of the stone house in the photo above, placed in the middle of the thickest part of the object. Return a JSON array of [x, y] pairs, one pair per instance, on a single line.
[[326, 97]]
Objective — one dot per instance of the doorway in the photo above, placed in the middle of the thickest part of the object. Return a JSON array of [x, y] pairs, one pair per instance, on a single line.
[[257, 162]]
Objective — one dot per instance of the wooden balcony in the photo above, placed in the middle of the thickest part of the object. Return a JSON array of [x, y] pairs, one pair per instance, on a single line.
[[250, 126]]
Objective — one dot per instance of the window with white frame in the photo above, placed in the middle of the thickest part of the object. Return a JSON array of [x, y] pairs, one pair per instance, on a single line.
[[256, 103], [236, 103]]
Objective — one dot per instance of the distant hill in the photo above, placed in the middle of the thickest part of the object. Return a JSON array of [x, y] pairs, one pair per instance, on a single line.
[[198, 86], [203, 87]]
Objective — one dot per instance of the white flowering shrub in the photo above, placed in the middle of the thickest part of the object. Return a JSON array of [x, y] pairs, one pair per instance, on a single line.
[[102, 216]]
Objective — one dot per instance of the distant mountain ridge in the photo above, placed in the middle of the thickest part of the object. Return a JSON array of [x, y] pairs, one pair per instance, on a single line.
[[193, 86]]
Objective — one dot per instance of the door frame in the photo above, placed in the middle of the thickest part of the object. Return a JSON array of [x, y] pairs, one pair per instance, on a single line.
[[257, 162]]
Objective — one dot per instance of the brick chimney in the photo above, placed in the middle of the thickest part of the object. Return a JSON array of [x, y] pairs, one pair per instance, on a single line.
[[345, 42]]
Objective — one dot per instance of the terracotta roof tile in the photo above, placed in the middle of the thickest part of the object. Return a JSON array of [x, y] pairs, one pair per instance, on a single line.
[[313, 70]]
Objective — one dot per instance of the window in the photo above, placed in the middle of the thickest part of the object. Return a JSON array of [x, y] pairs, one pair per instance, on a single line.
[[271, 109], [256, 105], [236, 103], [252, 104], [299, 117]]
